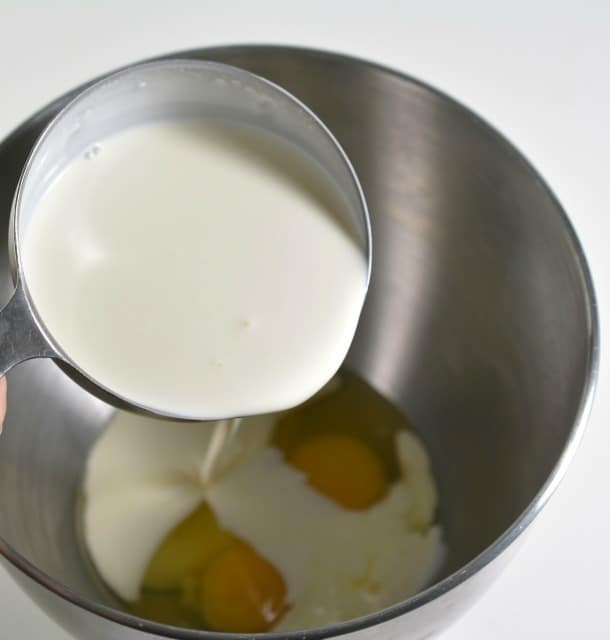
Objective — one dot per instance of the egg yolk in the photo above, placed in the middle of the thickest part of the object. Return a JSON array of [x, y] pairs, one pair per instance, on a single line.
[[342, 468], [188, 548], [242, 592]]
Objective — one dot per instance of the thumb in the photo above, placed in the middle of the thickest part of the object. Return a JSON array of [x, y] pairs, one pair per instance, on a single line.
[[2, 402]]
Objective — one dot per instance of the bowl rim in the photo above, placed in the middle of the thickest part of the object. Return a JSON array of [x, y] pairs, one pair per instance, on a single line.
[[488, 554]]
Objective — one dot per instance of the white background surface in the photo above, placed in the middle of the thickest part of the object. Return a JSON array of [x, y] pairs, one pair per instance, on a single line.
[[539, 71]]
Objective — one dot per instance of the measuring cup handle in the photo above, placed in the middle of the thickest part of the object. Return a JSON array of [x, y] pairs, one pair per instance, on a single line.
[[20, 337]]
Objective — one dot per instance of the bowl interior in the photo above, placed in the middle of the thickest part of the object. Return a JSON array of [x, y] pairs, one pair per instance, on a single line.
[[476, 323]]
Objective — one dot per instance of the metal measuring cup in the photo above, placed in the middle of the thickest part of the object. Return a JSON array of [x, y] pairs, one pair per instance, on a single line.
[[135, 95]]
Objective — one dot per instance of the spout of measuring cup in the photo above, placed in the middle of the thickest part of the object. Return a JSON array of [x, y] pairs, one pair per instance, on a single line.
[[20, 336]]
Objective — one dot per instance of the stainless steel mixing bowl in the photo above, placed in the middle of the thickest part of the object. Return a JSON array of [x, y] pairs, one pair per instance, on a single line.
[[480, 323]]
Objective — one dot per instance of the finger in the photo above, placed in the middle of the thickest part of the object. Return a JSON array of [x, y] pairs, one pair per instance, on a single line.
[[2, 402]]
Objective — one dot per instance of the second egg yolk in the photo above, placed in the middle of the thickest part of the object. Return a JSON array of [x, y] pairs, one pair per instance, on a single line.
[[342, 468], [242, 592]]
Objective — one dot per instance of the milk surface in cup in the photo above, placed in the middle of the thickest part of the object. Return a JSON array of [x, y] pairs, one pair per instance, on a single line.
[[197, 268]]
